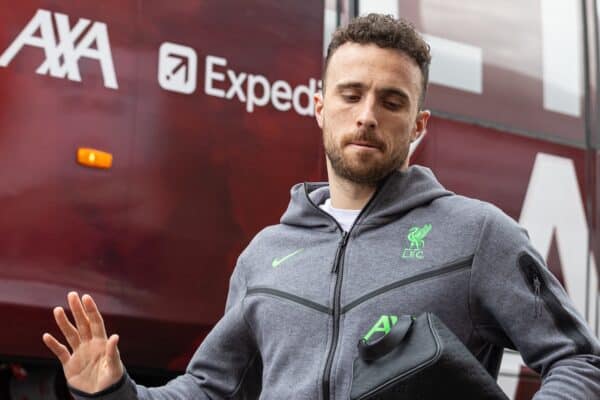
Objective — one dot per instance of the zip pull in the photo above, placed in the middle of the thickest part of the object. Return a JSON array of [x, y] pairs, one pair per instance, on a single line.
[[537, 304], [338, 253]]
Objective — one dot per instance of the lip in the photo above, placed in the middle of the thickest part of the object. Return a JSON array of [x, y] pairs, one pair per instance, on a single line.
[[364, 145]]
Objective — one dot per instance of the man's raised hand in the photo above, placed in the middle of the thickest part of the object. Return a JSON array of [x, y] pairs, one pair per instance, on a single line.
[[93, 364]]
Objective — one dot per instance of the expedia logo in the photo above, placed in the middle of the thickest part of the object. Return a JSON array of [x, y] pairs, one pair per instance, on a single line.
[[64, 50]]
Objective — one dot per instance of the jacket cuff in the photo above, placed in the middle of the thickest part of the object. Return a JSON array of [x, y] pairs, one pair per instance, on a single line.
[[124, 388]]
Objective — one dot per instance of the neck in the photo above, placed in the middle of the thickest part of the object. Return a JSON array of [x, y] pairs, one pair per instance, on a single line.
[[348, 195]]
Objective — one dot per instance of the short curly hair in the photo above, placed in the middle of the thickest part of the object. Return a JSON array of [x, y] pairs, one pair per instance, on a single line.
[[386, 32]]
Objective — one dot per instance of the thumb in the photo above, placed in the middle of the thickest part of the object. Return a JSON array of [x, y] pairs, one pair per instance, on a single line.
[[112, 353]]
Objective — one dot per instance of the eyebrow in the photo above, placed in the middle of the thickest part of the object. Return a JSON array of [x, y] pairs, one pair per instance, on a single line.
[[349, 85], [386, 91]]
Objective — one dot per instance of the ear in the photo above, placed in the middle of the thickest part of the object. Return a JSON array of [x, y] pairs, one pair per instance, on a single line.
[[420, 124], [318, 98]]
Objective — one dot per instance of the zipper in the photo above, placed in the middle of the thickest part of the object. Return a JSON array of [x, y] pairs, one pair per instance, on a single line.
[[457, 265], [543, 296], [288, 296], [338, 269], [537, 287], [339, 254]]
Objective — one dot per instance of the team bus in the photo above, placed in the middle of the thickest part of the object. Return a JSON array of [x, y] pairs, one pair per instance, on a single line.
[[144, 143]]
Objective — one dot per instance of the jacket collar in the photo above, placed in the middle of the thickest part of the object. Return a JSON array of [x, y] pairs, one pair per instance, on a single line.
[[397, 194]]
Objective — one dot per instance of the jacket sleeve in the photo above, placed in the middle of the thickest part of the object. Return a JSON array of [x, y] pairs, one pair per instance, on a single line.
[[516, 302], [216, 371]]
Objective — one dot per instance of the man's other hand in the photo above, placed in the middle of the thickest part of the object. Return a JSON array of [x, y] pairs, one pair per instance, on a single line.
[[93, 364]]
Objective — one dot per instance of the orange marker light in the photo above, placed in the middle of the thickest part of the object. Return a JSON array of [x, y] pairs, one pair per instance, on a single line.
[[94, 158]]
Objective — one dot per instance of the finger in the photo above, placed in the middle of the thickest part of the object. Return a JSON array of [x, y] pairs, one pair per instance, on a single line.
[[81, 320], [94, 316], [60, 351], [112, 352], [67, 329]]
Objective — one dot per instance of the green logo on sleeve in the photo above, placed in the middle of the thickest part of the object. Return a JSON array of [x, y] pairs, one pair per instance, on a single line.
[[384, 325], [416, 236], [277, 261]]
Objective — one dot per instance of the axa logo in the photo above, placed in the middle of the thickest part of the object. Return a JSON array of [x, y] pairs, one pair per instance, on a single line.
[[63, 50], [416, 237], [382, 326]]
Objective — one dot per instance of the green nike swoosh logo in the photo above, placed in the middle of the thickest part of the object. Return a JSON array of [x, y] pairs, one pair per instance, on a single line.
[[278, 261]]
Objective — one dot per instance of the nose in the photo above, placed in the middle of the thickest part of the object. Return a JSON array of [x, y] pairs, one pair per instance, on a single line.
[[366, 118]]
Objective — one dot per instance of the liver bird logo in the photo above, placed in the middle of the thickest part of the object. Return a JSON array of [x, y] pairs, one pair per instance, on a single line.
[[417, 235]]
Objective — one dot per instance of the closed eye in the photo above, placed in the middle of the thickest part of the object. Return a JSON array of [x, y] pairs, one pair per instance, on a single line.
[[394, 99], [392, 105], [351, 98]]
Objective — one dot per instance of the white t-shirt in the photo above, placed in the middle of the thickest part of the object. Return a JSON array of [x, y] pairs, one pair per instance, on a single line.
[[344, 217]]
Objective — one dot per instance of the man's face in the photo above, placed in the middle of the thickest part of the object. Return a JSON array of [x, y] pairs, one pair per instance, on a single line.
[[369, 113]]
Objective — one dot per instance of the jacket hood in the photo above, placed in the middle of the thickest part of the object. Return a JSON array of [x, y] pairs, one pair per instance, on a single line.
[[397, 194]]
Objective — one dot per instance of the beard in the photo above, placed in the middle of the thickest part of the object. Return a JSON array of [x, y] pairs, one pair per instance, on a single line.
[[363, 168]]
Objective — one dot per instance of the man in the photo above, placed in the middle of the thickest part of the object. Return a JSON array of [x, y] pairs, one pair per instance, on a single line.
[[305, 291]]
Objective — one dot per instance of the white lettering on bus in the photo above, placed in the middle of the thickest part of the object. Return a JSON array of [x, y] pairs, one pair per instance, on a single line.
[[69, 46], [256, 90], [554, 206]]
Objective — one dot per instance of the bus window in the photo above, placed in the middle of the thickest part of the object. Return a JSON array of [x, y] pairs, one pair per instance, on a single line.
[[329, 23], [513, 64]]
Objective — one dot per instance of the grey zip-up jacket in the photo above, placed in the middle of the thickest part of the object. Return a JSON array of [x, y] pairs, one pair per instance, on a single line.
[[303, 293]]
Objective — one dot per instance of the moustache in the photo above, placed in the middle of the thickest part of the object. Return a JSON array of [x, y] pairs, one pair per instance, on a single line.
[[365, 136]]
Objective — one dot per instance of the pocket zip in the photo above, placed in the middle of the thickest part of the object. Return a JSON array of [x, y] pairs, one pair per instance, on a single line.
[[544, 297], [537, 301], [457, 265], [288, 296]]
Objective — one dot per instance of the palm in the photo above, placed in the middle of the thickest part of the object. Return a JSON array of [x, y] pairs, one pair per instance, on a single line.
[[89, 364], [94, 363]]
